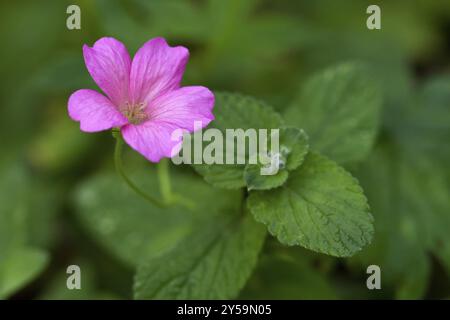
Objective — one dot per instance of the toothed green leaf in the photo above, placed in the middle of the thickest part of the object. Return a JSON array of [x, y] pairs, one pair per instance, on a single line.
[[321, 207]]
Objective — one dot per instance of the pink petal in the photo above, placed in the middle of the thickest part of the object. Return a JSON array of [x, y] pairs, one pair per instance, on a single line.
[[152, 139], [183, 107], [94, 111], [156, 69], [109, 64]]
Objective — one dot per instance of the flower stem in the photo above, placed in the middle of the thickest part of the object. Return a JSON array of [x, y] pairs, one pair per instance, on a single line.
[[181, 200], [165, 187], [164, 180], [121, 172]]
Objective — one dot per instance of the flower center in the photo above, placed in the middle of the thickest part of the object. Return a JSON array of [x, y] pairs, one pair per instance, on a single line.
[[135, 113]]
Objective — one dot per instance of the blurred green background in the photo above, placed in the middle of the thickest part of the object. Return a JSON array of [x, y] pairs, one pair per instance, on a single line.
[[257, 47]]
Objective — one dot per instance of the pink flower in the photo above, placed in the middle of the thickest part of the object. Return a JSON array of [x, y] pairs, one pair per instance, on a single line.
[[143, 97]]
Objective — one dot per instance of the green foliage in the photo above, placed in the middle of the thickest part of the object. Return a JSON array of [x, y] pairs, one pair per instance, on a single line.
[[283, 284], [133, 229], [293, 145], [412, 217], [373, 103], [212, 264], [20, 258], [234, 111], [426, 119], [256, 181], [321, 207], [20, 267], [408, 191], [339, 110]]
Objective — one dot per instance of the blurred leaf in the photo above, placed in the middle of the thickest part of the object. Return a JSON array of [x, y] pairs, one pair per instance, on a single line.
[[13, 210], [414, 283], [341, 27], [215, 263], [60, 145], [29, 207], [190, 18], [64, 72], [339, 110], [283, 278], [19, 267], [321, 207], [409, 199], [41, 39], [425, 125], [26, 218], [243, 38], [43, 209], [135, 22], [133, 229], [234, 111]]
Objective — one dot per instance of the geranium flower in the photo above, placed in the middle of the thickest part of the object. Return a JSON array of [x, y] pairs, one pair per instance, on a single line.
[[143, 97]]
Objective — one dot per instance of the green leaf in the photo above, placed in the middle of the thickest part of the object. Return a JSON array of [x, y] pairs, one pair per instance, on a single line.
[[409, 199], [19, 267], [130, 227], [425, 125], [339, 109], [28, 210], [413, 282], [234, 111], [22, 213], [213, 264], [256, 181], [280, 277], [293, 146], [321, 207], [13, 210], [422, 172]]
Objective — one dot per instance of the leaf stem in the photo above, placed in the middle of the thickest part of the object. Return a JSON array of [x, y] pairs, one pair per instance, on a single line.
[[121, 172]]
